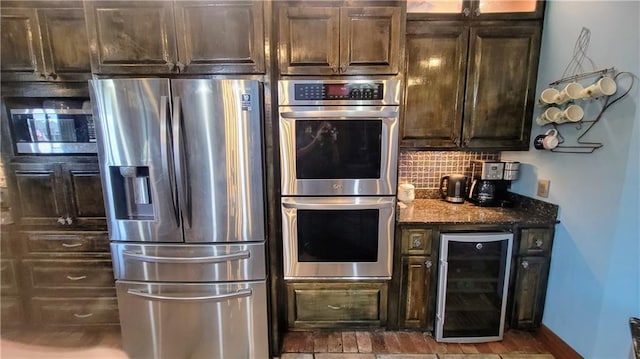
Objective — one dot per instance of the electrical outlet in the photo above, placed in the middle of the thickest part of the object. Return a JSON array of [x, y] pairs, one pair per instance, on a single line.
[[543, 187]]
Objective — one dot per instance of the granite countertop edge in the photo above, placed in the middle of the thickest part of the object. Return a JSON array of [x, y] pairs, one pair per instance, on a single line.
[[526, 211]]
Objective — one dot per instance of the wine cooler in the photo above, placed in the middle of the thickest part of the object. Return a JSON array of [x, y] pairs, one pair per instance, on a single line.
[[472, 286]]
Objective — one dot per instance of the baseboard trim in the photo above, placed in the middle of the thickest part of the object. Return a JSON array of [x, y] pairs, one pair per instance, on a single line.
[[555, 344]]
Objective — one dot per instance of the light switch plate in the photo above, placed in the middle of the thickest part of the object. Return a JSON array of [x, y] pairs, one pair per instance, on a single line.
[[543, 187]]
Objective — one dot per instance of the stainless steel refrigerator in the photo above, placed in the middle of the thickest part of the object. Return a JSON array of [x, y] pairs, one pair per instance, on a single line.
[[181, 164]]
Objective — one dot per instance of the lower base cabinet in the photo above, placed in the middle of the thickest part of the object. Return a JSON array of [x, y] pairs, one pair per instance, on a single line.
[[336, 305], [529, 292], [416, 310]]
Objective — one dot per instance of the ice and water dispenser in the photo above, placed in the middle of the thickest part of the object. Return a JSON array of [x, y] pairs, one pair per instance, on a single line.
[[131, 192]]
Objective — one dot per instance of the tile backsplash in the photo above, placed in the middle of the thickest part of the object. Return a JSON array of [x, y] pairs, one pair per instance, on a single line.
[[424, 169]]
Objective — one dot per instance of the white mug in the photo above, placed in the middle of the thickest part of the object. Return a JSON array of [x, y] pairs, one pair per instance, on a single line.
[[605, 86], [572, 91], [549, 115], [573, 113], [406, 193], [548, 97], [548, 141]]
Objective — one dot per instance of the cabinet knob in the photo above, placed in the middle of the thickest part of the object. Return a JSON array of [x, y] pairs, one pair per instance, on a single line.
[[416, 243], [334, 69], [466, 11], [525, 264], [170, 65], [539, 242], [69, 220], [343, 69], [181, 66], [428, 264], [477, 12], [479, 246], [61, 220]]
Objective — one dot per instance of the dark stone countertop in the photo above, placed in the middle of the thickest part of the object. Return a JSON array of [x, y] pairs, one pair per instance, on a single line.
[[437, 211]]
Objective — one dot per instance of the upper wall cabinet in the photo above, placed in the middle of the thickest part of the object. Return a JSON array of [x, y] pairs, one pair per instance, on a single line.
[[334, 40], [162, 37], [470, 85], [475, 9], [44, 41]]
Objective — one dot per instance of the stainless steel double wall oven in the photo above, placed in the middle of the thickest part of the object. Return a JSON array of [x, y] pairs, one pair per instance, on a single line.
[[338, 151]]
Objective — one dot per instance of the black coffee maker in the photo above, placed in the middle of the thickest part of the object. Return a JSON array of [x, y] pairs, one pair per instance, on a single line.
[[488, 187]]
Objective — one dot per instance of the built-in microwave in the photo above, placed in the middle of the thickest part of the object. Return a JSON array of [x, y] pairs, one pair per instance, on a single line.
[[53, 131]]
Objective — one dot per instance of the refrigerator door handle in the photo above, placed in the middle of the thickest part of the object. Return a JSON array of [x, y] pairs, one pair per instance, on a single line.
[[181, 171], [208, 259], [220, 297], [166, 143]]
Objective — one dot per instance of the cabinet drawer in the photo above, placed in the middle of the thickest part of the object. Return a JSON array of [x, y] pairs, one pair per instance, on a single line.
[[416, 241], [11, 312], [327, 305], [57, 274], [535, 241], [9, 282], [56, 242], [74, 311]]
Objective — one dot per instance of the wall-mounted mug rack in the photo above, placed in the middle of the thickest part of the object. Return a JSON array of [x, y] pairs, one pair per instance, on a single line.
[[569, 111]]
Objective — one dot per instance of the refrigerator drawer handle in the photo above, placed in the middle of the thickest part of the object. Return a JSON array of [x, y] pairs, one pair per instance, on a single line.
[[209, 259], [339, 114], [336, 206], [220, 297]]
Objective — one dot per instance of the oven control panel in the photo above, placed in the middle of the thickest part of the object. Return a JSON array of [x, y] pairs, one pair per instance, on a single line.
[[342, 91]]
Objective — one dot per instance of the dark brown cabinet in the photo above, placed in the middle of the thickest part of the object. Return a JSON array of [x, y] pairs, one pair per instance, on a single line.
[[532, 271], [336, 305], [163, 37], [470, 85], [44, 41], [55, 194], [475, 10], [67, 278], [333, 40], [417, 273]]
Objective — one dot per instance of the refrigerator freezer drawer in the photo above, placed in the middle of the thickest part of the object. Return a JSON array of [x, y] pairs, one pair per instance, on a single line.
[[189, 263], [164, 320]]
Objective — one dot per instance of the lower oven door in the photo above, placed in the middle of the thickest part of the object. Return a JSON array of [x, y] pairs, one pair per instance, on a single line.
[[338, 237], [187, 320]]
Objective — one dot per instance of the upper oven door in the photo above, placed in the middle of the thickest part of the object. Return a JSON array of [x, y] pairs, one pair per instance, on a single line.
[[338, 150]]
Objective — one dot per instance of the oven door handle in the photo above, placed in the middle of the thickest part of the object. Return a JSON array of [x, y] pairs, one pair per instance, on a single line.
[[339, 114], [337, 206]]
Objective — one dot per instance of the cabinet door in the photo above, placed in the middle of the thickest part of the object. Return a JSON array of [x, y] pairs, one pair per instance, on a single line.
[[530, 291], [20, 45], [501, 82], [415, 303], [220, 36], [83, 192], [470, 10], [370, 40], [436, 68], [66, 47], [309, 40], [131, 37], [40, 194]]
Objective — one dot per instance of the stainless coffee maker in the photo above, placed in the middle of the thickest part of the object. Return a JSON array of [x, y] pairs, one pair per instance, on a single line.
[[490, 181]]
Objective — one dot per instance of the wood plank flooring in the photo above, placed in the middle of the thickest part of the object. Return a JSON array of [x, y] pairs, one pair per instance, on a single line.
[[390, 342]]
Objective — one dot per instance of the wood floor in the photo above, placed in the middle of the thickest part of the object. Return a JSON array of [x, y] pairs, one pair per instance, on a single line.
[[389, 342]]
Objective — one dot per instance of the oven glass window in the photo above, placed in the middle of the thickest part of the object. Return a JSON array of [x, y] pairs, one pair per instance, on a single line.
[[338, 235], [343, 149]]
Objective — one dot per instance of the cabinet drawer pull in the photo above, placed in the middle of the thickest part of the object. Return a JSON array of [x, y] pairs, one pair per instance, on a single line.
[[67, 245], [82, 316], [539, 242], [334, 307], [525, 264], [61, 220], [76, 278], [429, 264]]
